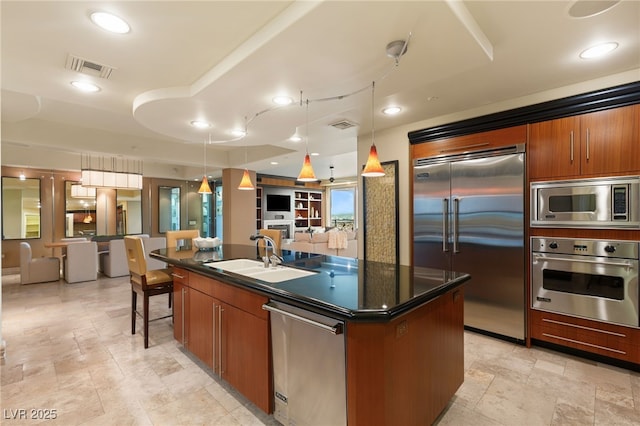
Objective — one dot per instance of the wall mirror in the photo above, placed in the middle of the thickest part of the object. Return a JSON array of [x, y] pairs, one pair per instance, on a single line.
[[80, 210], [168, 208], [128, 211], [20, 208]]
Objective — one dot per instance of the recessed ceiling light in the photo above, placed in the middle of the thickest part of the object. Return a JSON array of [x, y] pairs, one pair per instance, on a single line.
[[274, 163], [110, 22], [315, 154], [85, 86], [391, 110], [282, 100], [599, 50], [200, 124], [238, 132]]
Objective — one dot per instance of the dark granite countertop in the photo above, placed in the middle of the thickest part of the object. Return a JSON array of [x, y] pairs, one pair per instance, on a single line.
[[345, 288]]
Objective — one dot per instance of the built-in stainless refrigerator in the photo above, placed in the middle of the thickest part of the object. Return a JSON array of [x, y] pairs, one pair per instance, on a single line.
[[469, 217]]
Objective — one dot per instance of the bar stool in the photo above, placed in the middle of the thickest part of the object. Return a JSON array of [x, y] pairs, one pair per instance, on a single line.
[[144, 282]]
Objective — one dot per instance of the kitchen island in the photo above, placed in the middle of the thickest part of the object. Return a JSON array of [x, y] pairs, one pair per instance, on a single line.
[[403, 327]]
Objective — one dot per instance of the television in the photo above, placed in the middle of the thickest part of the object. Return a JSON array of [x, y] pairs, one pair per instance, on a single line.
[[278, 203]]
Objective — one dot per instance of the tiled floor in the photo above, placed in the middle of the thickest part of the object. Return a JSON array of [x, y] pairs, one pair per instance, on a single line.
[[69, 349]]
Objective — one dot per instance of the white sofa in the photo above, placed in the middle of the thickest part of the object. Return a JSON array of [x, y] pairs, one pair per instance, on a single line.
[[113, 263], [318, 242]]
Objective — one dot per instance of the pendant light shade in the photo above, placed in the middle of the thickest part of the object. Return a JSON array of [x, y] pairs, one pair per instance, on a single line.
[[204, 187], [245, 183], [373, 168], [306, 173]]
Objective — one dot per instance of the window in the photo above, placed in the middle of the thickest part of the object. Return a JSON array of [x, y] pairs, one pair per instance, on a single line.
[[343, 207]]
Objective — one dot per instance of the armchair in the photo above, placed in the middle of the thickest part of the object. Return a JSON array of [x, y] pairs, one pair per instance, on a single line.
[[38, 270], [81, 262]]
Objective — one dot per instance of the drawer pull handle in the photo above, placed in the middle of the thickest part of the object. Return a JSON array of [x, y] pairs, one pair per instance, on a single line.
[[613, 333], [173, 274], [578, 342]]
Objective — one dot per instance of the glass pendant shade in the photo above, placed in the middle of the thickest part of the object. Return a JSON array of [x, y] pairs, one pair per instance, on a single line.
[[373, 168], [204, 187], [306, 173], [245, 183]]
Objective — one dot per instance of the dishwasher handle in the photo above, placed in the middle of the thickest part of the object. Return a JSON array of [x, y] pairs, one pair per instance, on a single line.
[[336, 329]]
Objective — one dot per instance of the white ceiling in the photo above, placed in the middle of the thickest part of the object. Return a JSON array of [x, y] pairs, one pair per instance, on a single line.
[[223, 61]]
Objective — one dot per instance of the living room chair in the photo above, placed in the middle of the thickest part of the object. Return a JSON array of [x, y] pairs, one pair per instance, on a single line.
[[81, 262], [146, 283], [38, 270], [175, 238]]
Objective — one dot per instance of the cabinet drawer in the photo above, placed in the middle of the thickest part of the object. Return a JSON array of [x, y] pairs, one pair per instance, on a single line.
[[203, 284], [590, 336], [242, 299], [180, 276]]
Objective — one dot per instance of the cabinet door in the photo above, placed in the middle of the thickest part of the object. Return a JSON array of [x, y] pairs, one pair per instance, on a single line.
[[201, 327], [245, 354], [554, 148], [610, 141], [180, 302], [474, 142], [179, 309]]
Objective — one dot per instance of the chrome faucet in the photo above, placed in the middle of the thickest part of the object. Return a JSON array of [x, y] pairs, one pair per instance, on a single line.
[[274, 259]]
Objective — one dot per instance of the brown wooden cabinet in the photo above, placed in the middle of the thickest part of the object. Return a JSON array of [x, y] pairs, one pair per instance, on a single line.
[[245, 354], [200, 318], [475, 142], [227, 329], [596, 144], [180, 303], [604, 339]]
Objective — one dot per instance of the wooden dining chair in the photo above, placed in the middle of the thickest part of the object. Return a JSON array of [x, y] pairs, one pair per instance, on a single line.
[[146, 283]]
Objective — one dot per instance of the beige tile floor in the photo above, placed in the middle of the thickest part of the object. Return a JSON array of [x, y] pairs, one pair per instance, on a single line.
[[69, 349]]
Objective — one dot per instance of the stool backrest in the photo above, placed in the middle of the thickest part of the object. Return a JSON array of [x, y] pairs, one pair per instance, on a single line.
[[184, 234], [135, 256]]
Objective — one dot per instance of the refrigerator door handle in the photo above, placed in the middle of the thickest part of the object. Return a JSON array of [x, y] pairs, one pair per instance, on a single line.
[[456, 209], [445, 224]]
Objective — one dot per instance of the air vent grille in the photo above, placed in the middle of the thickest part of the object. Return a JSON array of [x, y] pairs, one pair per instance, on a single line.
[[76, 63], [343, 124]]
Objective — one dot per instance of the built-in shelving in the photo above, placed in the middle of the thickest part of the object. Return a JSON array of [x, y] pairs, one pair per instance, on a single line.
[[308, 209], [258, 208]]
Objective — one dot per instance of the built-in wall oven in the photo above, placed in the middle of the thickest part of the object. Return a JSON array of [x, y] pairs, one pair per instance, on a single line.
[[593, 279]]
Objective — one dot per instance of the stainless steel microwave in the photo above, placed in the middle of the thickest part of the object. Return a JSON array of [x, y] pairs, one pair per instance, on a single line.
[[605, 203]]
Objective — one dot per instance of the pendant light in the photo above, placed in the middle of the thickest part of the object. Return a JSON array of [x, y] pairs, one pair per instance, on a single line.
[[306, 173], [373, 168], [245, 183], [204, 186]]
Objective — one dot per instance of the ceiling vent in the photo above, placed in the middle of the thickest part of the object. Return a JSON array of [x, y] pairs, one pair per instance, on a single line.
[[76, 63], [343, 124]]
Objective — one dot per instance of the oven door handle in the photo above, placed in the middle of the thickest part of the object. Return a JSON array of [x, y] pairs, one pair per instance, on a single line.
[[628, 265]]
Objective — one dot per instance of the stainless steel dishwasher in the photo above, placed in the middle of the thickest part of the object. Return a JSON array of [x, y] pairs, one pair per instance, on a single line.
[[308, 367]]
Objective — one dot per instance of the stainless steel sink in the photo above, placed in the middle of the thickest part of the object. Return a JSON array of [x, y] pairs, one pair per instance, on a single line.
[[255, 269]]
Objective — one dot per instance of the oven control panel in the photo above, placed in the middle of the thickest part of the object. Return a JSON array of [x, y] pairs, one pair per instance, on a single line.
[[603, 248]]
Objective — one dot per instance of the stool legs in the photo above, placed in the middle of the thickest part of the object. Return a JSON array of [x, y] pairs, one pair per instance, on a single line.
[[134, 301], [145, 319]]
